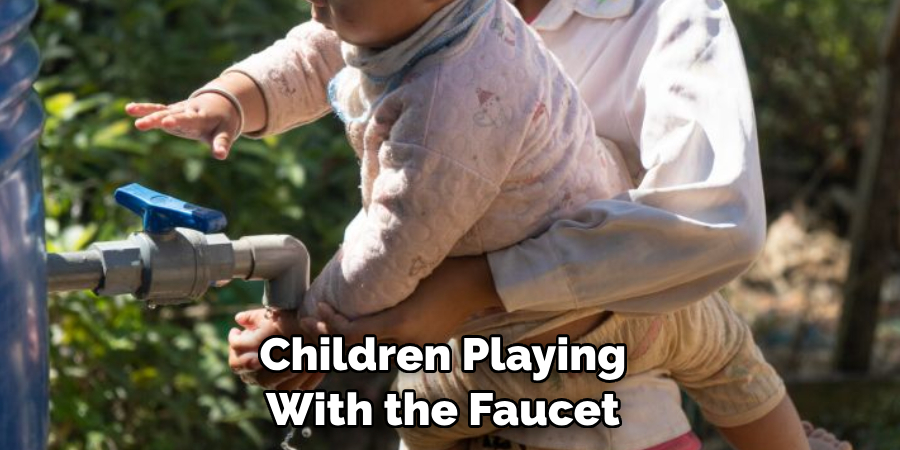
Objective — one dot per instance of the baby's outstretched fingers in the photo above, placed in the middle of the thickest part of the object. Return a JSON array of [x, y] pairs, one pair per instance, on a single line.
[[186, 123], [178, 118], [243, 318], [152, 120], [142, 109]]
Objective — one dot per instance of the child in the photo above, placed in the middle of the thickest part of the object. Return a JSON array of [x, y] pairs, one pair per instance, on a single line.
[[470, 139]]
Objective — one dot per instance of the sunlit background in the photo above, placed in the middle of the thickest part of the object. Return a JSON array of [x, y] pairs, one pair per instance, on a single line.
[[126, 377]]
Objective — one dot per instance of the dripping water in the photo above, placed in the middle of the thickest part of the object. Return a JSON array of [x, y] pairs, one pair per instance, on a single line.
[[305, 433]]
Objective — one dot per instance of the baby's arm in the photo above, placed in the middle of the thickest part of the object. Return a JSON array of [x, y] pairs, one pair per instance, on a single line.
[[423, 200], [276, 89], [210, 117], [293, 74], [422, 204]]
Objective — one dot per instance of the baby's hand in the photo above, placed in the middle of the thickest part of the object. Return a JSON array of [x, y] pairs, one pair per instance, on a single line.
[[208, 117]]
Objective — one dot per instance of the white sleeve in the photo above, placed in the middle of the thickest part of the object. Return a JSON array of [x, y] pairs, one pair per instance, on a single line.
[[696, 219]]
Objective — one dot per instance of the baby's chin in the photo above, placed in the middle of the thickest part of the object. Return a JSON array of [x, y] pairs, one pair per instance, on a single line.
[[323, 17]]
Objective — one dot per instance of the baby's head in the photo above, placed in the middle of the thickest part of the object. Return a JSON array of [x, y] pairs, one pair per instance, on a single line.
[[375, 23]]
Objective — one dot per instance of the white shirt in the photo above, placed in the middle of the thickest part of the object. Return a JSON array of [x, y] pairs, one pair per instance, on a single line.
[[666, 81]]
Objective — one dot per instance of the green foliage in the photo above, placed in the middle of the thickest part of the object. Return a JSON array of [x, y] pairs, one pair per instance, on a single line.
[[813, 69], [98, 55], [123, 377]]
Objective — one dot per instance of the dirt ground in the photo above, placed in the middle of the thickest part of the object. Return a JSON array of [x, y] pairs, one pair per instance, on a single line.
[[792, 297]]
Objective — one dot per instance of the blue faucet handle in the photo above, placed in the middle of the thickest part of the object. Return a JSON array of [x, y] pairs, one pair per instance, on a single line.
[[162, 213]]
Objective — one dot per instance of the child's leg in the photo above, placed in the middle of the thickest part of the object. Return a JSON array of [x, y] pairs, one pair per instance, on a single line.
[[651, 344], [720, 366], [708, 349], [710, 352], [757, 435]]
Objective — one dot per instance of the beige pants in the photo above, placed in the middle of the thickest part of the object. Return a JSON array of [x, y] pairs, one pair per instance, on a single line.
[[705, 347]]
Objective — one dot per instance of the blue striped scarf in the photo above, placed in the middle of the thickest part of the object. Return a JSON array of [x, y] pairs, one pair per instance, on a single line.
[[370, 75]]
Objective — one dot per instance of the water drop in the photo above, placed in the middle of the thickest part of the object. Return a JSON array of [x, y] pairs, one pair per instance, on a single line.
[[305, 432], [286, 443]]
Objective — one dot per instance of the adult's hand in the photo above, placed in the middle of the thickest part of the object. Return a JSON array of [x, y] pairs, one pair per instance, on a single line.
[[457, 290], [243, 348]]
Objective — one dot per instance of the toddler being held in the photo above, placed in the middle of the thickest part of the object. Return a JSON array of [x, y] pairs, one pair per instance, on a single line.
[[470, 139]]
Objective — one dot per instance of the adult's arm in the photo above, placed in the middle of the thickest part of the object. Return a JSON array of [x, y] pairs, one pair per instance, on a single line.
[[697, 218]]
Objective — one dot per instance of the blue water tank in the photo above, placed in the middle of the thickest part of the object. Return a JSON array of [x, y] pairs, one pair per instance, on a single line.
[[24, 372]]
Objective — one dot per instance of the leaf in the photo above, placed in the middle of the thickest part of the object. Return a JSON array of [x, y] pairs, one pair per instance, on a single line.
[[193, 168], [77, 237], [56, 104], [109, 135]]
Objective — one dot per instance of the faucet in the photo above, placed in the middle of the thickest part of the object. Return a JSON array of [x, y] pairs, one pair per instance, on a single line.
[[179, 255]]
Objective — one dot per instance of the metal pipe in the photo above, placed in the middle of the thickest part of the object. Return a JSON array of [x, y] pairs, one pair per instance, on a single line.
[[282, 261], [173, 268], [271, 255], [74, 271], [243, 258]]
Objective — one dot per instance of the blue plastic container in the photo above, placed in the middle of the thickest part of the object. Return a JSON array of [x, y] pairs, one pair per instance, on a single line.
[[24, 399]]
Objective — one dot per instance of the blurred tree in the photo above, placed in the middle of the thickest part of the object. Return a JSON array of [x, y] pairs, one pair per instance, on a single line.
[[876, 220], [813, 67]]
